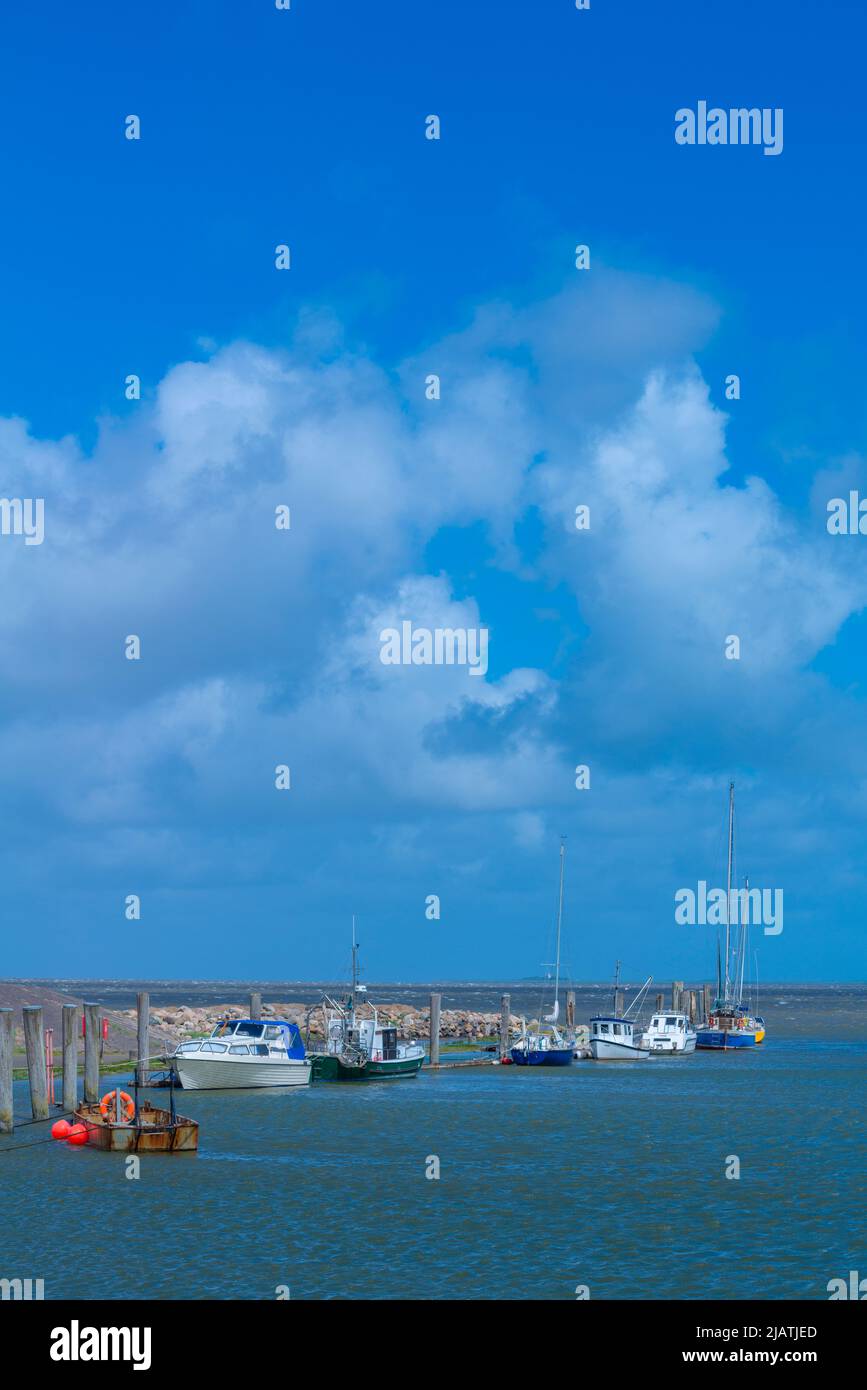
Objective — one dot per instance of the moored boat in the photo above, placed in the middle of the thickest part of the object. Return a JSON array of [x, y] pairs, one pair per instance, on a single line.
[[547, 1047], [670, 1035], [358, 1046], [730, 1025], [612, 1036], [149, 1130], [613, 1039], [243, 1053]]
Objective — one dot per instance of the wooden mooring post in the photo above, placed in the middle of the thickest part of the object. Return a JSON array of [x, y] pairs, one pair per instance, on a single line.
[[570, 1008], [143, 1033], [706, 1002], [71, 1030], [37, 1075], [7, 1051], [505, 1024], [435, 1003], [693, 1006], [255, 1006], [660, 1003], [677, 996], [92, 1030]]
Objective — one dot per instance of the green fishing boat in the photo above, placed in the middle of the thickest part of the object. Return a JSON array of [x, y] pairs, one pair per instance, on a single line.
[[357, 1046]]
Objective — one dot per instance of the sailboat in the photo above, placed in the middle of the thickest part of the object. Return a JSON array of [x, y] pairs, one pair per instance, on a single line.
[[357, 1046], [547, 1047], [730, 1024]]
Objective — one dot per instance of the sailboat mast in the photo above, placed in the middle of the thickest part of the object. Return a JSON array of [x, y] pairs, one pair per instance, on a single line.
[[744, 943], [729, 885], [559, 922]]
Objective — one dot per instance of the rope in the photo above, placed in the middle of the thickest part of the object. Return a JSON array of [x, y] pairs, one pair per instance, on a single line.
[[13, 1148], [22, 1124]]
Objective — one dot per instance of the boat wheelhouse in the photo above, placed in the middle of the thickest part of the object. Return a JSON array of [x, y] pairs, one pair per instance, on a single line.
[[612, 1039], [670, 1034], [242, 1053]]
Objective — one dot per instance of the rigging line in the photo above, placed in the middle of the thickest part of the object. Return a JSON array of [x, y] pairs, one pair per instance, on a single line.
[[22, 1124]]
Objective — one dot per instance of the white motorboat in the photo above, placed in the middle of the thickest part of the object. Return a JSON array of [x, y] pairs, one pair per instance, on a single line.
[[670, 1034], [241, 1053]]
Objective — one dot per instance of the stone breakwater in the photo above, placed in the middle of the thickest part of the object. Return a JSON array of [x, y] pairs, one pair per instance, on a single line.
[[459, 1025]]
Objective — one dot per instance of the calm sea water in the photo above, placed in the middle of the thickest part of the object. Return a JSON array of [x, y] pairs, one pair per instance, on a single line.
[[610, 1176]]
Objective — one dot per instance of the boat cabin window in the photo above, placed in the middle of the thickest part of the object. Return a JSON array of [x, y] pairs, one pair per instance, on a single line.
[[214, 1047], [389, 1044], [260, 1049], [249, 1030], [272, 1031], [670, 1022], [240, 1048], [617, 1030], [224, 1028], [604, 1028]]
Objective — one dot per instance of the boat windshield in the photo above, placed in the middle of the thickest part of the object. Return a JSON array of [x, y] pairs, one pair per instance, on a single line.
[[249, 1030], [224, 1028]]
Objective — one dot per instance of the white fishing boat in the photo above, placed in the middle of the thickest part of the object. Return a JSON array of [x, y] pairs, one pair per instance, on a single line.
[[242, 1053], [358, 1045], [613, 1040], [613, 1036], [671, 1034]]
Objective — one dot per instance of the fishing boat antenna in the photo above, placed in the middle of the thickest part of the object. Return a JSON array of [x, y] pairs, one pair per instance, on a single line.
[[616, 983]]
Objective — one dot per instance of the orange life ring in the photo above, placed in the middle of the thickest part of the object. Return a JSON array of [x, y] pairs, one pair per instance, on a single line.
[[107, 1108]]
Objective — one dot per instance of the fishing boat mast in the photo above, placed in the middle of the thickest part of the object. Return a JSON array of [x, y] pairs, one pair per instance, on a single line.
[[354, 972]]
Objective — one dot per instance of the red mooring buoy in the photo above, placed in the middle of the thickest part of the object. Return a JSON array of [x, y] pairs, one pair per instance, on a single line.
[[77, 1135], [60, 1129]]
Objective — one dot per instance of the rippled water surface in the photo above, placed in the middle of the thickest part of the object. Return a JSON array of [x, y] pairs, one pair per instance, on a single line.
[[607, 1175]]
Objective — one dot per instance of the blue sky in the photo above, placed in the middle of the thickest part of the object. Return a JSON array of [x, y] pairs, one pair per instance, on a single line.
[[410, 256]]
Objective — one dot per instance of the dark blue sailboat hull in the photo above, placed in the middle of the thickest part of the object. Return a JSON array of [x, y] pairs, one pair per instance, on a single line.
[[550, 1057], [725, 1038]]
